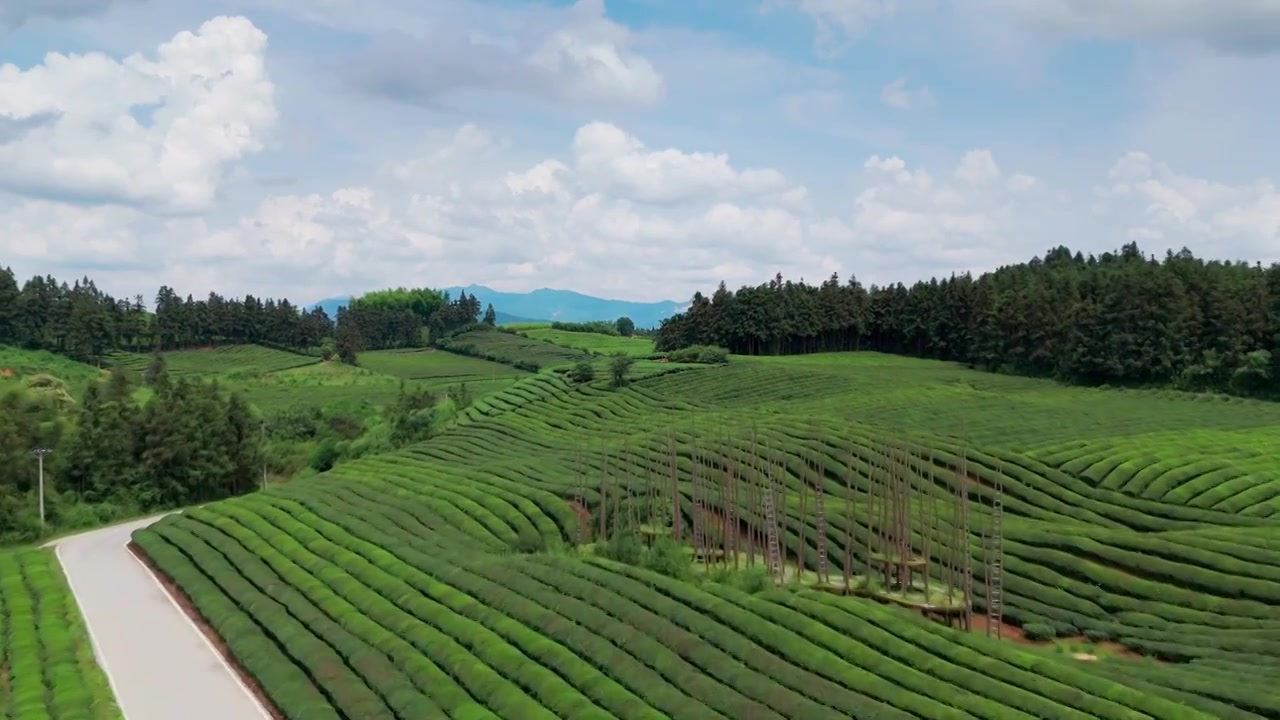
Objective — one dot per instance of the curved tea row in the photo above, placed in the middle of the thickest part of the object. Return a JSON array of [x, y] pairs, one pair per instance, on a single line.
[[402, 586]]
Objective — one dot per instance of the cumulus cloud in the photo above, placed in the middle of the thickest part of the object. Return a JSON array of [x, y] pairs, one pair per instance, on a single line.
[[1154, 202], [610, 160], [156, 132], [978, 218], [608, 213], [897, 95], [583, 58]]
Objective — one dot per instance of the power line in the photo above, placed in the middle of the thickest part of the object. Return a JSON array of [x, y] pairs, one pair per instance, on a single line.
[[40, 453]]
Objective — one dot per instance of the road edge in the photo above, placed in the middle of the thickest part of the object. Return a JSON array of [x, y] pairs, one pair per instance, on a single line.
[[98, 656], [211, 638]]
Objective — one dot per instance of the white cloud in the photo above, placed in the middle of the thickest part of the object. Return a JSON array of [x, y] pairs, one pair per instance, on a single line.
[[896, 94], [209, 100], [906, 218], [608, 159], [610, 215], [836, 22], [1153, 202], [578, 56]]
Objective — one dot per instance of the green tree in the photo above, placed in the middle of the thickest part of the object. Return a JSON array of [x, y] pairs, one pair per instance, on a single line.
[[490, 316], [620, 369], [626, 327], [582, 372]]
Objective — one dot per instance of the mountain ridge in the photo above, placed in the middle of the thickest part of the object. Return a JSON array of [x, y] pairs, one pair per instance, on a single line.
[[548, 305]]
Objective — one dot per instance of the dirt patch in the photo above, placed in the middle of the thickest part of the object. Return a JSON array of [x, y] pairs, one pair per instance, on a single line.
[[1013, 633], [216, 640], [6, 373]]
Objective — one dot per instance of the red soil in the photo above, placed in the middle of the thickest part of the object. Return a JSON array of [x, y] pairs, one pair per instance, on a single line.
[[216, 640]]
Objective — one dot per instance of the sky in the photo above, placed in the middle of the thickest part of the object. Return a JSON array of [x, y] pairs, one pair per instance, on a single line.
[[631, 149]]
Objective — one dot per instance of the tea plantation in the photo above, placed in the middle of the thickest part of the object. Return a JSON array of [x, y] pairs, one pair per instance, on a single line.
[[47, 669], [1141, 543]]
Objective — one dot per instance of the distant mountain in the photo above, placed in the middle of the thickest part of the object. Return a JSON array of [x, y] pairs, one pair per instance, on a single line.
[[332, 304], [546, 305], [568, 306]]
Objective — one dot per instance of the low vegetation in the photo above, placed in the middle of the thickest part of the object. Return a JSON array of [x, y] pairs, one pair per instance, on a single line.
[[419, 543], [568, 522], [47, 668]]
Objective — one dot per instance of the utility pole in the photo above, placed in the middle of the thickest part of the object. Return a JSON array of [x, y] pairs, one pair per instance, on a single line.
[[40, 453]]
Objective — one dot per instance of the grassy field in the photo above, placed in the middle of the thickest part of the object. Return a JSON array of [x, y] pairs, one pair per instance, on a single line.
[[408, 586], [273, 379], [511, 347], [230, 361], [593, 342], [47, 669], [17, 366]]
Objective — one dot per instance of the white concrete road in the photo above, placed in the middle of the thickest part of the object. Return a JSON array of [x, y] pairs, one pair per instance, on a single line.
[[160, 665]]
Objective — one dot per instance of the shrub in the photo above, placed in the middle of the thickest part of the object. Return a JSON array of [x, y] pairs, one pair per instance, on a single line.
[[583, 372], [1038, 631], [705, 354], [666, 556], [1097, 636], [619, 368], [622, 547]]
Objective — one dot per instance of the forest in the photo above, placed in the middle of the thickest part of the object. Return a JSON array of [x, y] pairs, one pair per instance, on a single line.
[[84, 323], [134, 444], [117, 456], [1120, 319]]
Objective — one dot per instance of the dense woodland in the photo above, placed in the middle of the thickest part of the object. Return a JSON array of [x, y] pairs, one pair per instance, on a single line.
[[84, 323], [1118, 318], [115, 456]]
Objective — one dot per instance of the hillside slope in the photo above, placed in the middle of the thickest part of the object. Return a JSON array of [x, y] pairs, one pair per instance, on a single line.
[[411, 554]]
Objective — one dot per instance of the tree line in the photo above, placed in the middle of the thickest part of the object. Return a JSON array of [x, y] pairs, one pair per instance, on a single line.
[[115, 456], [84, 323], [1119, 318], [403, 318]]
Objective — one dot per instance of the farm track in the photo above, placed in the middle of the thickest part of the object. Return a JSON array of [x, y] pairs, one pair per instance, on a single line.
[[388, 587], [159, 664]]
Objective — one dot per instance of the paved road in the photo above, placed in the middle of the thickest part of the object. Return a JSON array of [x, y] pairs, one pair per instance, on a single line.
[[159, 664]]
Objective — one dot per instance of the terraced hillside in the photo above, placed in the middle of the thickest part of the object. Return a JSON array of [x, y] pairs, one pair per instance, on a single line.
[[227, 360], [274, 379], [509, 348], [592, 342], [47, 669], [442, 581]]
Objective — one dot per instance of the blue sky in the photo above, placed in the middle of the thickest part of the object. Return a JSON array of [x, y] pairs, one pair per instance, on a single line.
[[631, 148]]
